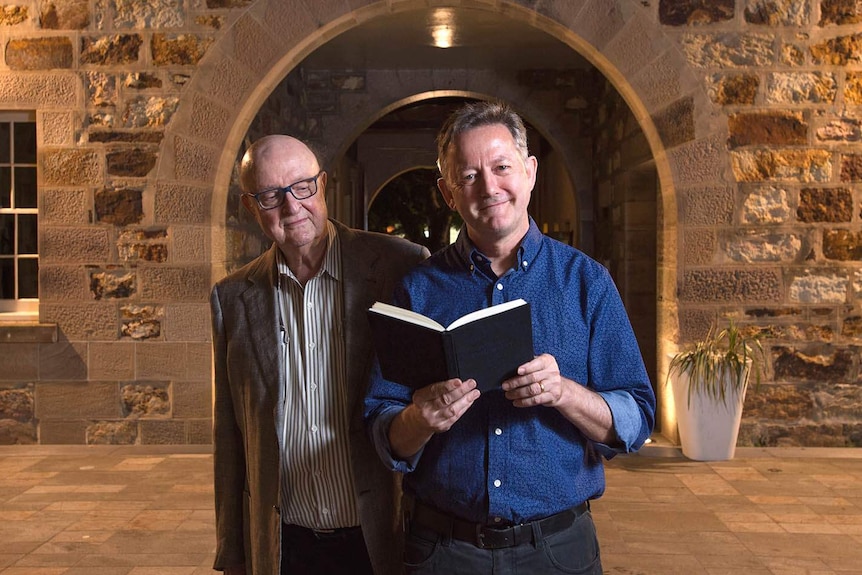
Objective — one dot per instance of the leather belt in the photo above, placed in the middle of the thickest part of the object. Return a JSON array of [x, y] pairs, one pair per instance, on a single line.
[[486, 536]]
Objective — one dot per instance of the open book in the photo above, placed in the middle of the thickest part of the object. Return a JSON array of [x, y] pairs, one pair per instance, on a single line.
[[487, 345]]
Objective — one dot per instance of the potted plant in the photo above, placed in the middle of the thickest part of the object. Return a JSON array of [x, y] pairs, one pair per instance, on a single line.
[[709, 383]]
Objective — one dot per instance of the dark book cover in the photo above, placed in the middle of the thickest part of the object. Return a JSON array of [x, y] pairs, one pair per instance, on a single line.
[[487, 346]]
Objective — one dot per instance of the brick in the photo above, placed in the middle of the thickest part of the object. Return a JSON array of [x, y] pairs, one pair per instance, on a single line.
[[733, 89], [190, 283], [84, 321], [767, 129], [825, 205], [170, 432], [771, 13], [182, 204], [706, 206], [801, 88], [77, 400], [39, 53], [759, 247], [842, 245], [179, 49], [111, 50], [187, 322], [767, 205], [823, 363], [58, 432], [111, 360], [63, 361], [782, 165], [721, 286], [818, 288], [65, 245], [71, 168], [192, 399], [728, 50]]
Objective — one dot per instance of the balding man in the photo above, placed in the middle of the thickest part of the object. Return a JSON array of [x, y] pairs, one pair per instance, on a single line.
[[298, 488]]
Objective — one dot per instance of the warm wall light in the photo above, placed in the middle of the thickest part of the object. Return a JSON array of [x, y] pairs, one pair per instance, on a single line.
[[442, 26]]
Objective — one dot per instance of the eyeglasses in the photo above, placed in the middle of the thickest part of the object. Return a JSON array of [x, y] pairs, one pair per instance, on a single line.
[[274, 197]]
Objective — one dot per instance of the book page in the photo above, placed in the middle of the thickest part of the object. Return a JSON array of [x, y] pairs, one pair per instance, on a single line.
[[486, 312], [406, 315]]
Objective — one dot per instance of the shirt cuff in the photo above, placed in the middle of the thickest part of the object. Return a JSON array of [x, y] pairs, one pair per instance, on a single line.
[[627, 422], [380, 437]]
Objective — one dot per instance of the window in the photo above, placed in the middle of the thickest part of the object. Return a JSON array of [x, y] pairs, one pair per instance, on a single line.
[[19, 248]]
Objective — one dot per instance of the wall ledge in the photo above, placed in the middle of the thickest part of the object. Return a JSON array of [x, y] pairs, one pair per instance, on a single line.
[[27, 332]]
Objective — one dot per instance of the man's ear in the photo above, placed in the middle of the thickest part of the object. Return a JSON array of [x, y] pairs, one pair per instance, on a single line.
[[321, 183], [249, 203], [446, 192]]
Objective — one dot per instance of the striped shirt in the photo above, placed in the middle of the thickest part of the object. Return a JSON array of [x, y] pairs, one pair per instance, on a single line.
[[317, 490]]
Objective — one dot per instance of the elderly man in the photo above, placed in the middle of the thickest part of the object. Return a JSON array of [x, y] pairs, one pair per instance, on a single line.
[[500, 482], [298, 488]]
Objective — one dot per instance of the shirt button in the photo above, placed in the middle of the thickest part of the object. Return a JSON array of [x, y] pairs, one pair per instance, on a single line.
[[309, 305], [498, 431], [497, 483], [499, 287], [313, 429], [524, 263], [325, 511], [313, 387], [311, 345], [497, 519]]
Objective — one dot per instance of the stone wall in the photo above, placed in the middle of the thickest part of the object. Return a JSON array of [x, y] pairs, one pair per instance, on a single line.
[[750, 109]]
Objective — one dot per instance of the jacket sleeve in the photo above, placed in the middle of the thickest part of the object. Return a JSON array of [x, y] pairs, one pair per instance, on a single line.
[[228, 454]]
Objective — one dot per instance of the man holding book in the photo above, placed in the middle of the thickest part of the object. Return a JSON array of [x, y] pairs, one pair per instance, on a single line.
[[298, 488], [500, 481]]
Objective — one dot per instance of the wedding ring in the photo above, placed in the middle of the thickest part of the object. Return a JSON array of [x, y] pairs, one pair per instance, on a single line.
[[542, 386]]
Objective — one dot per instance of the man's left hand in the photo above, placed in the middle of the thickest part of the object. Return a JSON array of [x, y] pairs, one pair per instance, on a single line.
[[538, 383]]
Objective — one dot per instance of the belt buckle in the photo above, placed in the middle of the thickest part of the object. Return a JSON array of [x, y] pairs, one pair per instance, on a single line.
[[490, 538]]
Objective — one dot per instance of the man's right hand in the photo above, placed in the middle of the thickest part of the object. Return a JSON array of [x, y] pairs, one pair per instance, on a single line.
[[435, 409]]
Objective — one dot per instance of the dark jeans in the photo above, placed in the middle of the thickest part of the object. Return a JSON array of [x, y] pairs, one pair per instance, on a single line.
[[308, 552], [572, 550]]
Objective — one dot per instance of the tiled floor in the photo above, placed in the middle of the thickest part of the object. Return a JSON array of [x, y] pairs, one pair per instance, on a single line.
[[148, 511]]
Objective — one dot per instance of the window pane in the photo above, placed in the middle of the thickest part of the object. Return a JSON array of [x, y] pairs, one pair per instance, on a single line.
[[5, 131], [25, 143], [28, 278], [5, 187], [28, 234], [7, 278], [7, 234], [25, 187]]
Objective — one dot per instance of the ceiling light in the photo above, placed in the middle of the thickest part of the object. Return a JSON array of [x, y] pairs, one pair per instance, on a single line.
[[442, 26]]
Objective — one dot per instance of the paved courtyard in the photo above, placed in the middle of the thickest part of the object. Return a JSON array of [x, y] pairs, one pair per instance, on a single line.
[[105, 510]]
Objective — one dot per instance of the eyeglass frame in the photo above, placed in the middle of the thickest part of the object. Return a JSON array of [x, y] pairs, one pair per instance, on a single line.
[[287, 190]]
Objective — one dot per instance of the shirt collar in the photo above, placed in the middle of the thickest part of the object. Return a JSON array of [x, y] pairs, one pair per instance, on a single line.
[[472, 258]]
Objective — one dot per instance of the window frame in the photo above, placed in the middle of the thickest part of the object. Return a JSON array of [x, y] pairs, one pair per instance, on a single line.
[[20, 308]]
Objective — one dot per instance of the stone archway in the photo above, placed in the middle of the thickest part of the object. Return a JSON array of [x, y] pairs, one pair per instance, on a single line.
[[270, 38]]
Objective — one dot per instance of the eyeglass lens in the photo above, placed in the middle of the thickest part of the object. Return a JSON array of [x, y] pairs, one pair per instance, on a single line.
[[300, 190]]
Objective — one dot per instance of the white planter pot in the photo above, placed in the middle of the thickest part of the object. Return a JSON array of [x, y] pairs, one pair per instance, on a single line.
[[708, 427]]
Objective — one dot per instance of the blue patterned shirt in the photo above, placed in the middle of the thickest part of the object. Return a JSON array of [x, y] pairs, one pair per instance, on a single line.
[[500, 463]]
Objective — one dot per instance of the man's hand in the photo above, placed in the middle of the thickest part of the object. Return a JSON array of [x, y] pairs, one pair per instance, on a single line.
[[435, 409]]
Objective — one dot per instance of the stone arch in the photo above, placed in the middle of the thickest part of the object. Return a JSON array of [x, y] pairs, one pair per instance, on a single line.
[[270, 37]]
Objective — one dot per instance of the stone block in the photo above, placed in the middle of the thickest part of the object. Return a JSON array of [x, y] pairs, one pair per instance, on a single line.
[[72, 167], [61, 283], [255, 55], [17, 403], [812, 363], [188, 283], [767, 129], [782, 13], [194, 161], [113, 136], [149, 111], [793, 165], [58, 129], [111, 50], [101, 88], [699, 247], [818, 288], [112, 433], [85, 321], [851, 168], [209, 120], [790, 54], [14, 15], [838, 51], [199, 362], [170, 432], [18, 432], [766, 205], [695, 12], [191, 244], [63, 207], [77, 400], [116, 283], [785, 402], [157, 360], [121, 207], [706, 206], [853, 88], [852, 327], [60, 432], [839, 12], [658, 82], [842, 245], [731, 285], [68, 245], [141, 322], [229, 82], [40, 90], [728, 50], [758, 247], [135, 162], [187, 322], [51, 53], [675, 124], [179, 49], [598, 22], [146, 400], [825, 205], [840, 130], [200, 431], [801, 88], [735, 89], [65, 15], [699, 161], [17, 332], [111, 361], [179, 203], [63, 361], [148, 14], [695, 323], [192, 399]]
